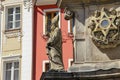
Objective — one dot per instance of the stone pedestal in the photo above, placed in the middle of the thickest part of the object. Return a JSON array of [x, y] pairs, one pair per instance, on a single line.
[[112, 74]]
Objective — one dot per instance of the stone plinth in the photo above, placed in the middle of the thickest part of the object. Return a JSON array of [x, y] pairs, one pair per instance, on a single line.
[[112, 74]]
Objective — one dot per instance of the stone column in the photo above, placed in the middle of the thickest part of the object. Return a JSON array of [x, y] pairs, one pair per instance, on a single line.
[[27, 28], [1, 9]]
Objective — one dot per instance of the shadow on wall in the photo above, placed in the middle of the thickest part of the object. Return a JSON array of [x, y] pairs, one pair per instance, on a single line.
[[112, 53]]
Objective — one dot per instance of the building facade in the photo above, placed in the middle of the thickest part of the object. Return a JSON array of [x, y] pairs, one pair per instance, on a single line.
[[16, 39], [44, 12]]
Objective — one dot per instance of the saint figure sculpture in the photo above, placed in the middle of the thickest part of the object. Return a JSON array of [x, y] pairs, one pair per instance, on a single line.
[[54, 46]]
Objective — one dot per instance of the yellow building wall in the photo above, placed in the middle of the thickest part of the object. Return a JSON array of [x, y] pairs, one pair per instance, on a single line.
[[11, 39], [11, 46]]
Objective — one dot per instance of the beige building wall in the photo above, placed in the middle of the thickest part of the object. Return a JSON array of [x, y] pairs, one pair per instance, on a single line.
[[11, 39]]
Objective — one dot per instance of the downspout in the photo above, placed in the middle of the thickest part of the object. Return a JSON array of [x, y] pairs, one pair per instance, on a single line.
[[33, 42]]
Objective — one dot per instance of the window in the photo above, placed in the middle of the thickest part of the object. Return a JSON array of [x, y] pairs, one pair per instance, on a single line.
[[70, 25], [70, 62], [46, 65], [13, 17], [11, 70], [49, 14]]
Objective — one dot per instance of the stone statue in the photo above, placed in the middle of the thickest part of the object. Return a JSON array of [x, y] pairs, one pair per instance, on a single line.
[[54, 46]]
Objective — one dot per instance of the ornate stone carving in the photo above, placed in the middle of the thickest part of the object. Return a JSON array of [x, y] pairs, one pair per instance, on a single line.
[[105, 28], [28, 4], [13, 34], [68, 14], [1, 7]]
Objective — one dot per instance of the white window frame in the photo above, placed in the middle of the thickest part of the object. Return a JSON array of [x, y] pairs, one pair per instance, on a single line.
[[44, 62], [69, 27], [5, 59], [44, 14], [69, 62], [6, 16]]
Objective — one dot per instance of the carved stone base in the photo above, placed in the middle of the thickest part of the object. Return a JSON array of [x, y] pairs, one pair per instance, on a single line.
[[94, 66], [92, 75]]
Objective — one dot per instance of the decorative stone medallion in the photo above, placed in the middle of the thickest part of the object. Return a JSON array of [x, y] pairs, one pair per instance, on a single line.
[[105, 28]]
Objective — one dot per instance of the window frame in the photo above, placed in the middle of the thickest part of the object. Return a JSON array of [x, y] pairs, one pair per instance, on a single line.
[[6, 59], [14, 14], [70, 27], [12, 69], [44, 17], [44, 63], [69, 62]]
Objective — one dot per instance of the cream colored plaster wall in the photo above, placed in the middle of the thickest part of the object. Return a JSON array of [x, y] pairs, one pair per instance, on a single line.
[[11, 40], [10, 45]]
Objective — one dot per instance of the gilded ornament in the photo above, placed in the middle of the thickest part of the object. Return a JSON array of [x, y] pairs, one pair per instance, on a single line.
[[105, 28]]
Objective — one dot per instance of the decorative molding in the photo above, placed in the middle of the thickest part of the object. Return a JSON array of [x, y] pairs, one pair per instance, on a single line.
[[11, 57], [28, 4], [1, 7], [13, 34], [105, 28]]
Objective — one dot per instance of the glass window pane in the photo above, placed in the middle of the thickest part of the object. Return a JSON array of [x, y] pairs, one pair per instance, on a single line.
[[8, 75], [17, 17], [10, 25], [47, 66], [17, 24], [8, 66], [49, 16], [56, 13], [17, 9], [16, 64], [10, 18], [10, 11], [16, 74]]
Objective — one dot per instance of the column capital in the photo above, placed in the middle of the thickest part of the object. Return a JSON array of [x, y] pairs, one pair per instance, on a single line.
[[28, 4], [1, 7]]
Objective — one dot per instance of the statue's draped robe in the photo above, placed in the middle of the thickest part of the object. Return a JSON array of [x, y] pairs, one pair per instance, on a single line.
[[55, 51]]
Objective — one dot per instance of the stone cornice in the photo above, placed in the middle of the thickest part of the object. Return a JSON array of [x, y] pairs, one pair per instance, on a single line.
[[64, 3]]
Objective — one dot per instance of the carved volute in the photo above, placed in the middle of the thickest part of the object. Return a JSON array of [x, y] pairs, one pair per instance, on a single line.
[[105, 28]]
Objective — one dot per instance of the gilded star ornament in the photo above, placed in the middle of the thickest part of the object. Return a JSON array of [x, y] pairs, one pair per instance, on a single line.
[[105, 28]]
